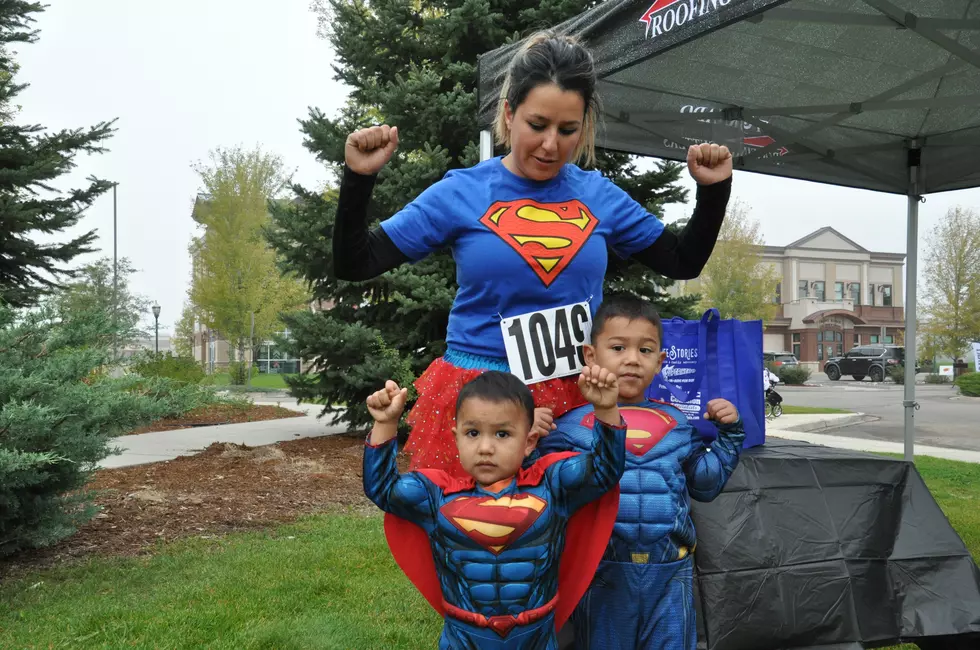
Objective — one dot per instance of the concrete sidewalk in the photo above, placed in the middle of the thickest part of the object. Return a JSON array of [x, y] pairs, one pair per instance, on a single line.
[[167, 445], [804, 428]]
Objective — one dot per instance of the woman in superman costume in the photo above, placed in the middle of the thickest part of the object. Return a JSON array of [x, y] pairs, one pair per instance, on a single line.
[[529, 231]]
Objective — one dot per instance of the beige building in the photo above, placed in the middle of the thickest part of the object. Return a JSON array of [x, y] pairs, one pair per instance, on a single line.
[[833, 295]]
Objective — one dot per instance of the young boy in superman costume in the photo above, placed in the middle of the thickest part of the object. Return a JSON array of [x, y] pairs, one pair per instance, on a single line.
[[642, 595], [504, 554]]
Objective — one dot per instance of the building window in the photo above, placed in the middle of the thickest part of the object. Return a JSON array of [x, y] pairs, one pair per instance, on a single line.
[[818, 291], [804, 289], [778, 298], [857, 339], [840, 349], [796, 350], [886, 295], [796, 338], [819, 353], [272, 359], [889, 339], [874, 338], [839, 291], [871, 295], [839, 336], [819, 337], [856, 292]]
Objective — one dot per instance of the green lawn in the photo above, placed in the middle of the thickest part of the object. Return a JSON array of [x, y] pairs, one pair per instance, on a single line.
[[789, 409], [266, 381], [324, 582]]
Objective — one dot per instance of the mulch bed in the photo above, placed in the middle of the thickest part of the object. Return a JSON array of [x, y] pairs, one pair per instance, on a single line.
[[225, 488], [220, 414]]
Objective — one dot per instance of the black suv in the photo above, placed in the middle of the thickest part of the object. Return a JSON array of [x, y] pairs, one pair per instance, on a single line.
[[865, 361]]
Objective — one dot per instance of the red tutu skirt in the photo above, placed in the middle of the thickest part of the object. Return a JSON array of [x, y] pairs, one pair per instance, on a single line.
[[432, 445]]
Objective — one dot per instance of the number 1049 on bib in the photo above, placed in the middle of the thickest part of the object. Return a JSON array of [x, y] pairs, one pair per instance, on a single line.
[[547, 344]]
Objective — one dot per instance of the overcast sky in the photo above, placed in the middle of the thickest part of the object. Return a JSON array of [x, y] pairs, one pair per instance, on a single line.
[[186, 76]]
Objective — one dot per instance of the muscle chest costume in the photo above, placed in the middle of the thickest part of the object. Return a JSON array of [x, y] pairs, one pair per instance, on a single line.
[[642, 595], [519, 246], [496, 564]]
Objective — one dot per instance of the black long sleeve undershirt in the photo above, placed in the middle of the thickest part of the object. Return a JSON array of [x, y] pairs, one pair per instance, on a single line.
[[362, 254], [683, 256]]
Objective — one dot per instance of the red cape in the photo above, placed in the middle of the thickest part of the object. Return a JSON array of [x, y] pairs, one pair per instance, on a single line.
[[586, 538]]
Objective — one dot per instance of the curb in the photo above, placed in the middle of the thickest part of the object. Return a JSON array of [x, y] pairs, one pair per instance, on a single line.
[[823, 425]]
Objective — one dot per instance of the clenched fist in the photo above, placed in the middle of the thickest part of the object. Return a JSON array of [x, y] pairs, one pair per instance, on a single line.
[[599, 386], [709, 163], [370, 149], [544, 422], [387, 404], [721, 411]]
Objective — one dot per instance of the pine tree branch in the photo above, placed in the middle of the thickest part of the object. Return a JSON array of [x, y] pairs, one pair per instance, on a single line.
[[16, 343]]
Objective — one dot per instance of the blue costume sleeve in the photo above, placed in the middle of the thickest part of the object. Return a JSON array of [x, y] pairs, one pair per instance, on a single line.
[[708, 469], [404, 495], [584, 478], [427, 224], [635, 229]]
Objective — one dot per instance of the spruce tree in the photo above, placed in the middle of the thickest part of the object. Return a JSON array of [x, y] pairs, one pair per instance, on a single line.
[[59, 410], [414, 65], [31, 159]]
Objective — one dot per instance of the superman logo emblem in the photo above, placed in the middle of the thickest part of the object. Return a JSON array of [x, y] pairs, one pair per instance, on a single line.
[[644, 427], [494, 522], [546, 235]]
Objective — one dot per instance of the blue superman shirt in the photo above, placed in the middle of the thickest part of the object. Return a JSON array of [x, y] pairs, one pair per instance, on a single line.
[[520, 245]]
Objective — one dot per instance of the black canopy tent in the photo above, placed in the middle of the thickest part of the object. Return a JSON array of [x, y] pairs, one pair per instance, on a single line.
[[869, 94]]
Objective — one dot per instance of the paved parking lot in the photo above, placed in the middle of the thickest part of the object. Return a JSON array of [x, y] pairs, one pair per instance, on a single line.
[[943, 420]]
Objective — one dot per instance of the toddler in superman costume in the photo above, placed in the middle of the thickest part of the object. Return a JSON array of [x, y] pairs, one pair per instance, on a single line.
[[642, 596], [504, 554]]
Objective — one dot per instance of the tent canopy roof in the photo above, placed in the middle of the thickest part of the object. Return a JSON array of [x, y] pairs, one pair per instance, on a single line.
[[849, 92]]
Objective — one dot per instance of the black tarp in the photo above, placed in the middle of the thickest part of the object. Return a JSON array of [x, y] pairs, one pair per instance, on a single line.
[[836, 91], [814, 547]]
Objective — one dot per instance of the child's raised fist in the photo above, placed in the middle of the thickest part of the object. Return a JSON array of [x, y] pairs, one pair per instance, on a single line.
[[599, 386], [721, 411], [387, 404]]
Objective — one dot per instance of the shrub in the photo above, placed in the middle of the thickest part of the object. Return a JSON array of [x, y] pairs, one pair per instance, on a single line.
[[238, 373], [59, 411], [167, 365], [969, 384], [897, 373], [794, 375], [937, 379]]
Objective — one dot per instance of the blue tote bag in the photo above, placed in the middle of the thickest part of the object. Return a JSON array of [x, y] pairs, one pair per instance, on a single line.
[[713, 358]]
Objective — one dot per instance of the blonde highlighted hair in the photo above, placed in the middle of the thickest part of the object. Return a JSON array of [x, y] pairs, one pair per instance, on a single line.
[[549, 58]]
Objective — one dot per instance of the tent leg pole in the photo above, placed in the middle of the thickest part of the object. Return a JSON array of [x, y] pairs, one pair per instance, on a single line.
[[911, 275], [486, 145]]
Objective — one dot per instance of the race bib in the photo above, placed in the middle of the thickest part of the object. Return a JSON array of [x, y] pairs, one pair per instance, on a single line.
[[543, 345]]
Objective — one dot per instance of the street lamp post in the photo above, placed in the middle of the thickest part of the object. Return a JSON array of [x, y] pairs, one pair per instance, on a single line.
[[115, 278], [156, 327]]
